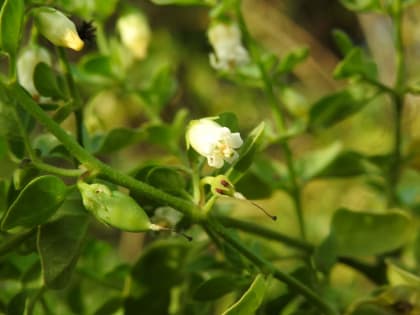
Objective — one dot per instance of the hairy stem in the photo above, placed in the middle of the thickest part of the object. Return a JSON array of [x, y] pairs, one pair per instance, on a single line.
[[398, 101], [95, 166], [265, 233], [279, 117]]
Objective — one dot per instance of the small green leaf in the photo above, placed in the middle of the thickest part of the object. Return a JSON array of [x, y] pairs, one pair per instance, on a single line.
[[246, 154], [252, 186], [251, 300], [166, 179], [362, 5], [292, 59], [218, 286], [110, 307], [325, 255], [11, 20], [180, 2], [362, 233], [313, 163], [116, 139], [228, 120], [162, 264], [59, 244], [16, 305], [36, 203], [343, 41], [46, 82], [98, 64], [397, 275], [338, 106], [356, 63]]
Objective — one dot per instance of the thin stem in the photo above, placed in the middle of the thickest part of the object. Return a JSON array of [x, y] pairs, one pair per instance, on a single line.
[[14, 241], [74, 93], [268, 268], [57, 170], [398, 101], [295, 189], [97, 167], [34, 300], [265, 232]]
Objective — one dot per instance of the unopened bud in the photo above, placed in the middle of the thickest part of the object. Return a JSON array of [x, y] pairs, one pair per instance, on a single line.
[[57, 28]]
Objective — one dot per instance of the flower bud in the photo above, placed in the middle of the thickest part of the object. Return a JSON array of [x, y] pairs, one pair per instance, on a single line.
[[57, 28], [114, 208], [228, 50], [219, 185], [135, 33], [26, 64], [215, 142]]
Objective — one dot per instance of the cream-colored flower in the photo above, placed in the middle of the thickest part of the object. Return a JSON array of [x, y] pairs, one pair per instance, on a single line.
[[135, 33], [26, 64], [228, 50], [57, 28], [215, 142]]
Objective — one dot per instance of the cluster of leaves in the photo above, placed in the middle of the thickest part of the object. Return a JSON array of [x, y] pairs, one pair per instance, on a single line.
[[53, 257]]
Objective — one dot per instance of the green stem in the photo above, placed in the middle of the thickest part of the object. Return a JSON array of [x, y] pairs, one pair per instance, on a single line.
[[14, 241], [34, 300], [265, 232], [57, 170], [97, 167], [268, 268], [398, 101], [74, 93], [279, 117]]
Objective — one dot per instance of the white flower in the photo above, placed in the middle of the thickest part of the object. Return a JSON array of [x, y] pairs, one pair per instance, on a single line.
[[57, 28], [228, 50], [215, 142], [26, 64], [135, 33]]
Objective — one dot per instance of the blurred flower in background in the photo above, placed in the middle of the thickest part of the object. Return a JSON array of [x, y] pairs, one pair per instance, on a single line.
[[228, 50], [135, 33]]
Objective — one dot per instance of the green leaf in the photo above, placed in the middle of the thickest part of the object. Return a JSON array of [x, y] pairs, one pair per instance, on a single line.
[[116, 139], [251, 300], [363, 233], [98, 64], [343, 41], [398, 275], [313, 163], [59, 245], [110, 307], [16, 305], [292, 59], [11, 20], [36, 203], [325, 255], [160, 90], [229, 120], [45, 81], [180, 2], [362, 5], [252, 186], [246, 154], [338, 106], [166, 178], [161, 265], [218, 286], [356, 63]]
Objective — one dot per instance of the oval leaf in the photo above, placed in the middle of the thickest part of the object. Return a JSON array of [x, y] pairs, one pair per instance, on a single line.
[[11, 18], [59, 245], [46, 82], [251, 300], [364, 233], [36, 203], [218, 286]]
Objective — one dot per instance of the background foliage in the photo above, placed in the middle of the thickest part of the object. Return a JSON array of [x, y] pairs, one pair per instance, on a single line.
[[326, 105]]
